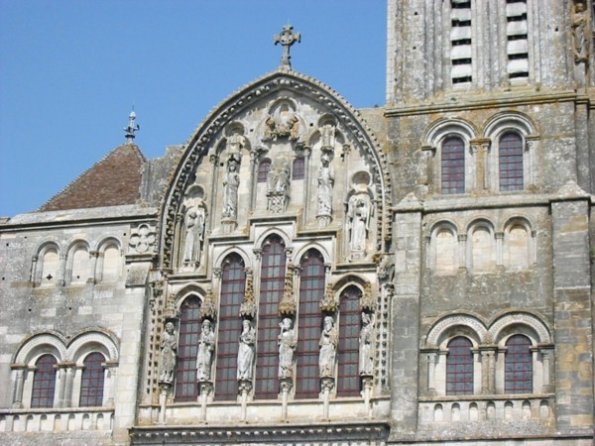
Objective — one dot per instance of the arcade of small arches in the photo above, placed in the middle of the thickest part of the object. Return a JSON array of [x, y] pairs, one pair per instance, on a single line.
[[77, 263], [481, 246], [501, 158], [50, 372], [511, 355]]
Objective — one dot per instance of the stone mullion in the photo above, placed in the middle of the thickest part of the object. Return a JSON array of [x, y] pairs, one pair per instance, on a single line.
[[306, 195], [214, 159], [18, 384]]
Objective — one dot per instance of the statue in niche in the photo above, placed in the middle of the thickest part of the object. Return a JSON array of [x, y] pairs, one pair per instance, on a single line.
[[359, 212], [580, 33], [194, 226], [329, 339], [366, 359], [231, 183], [167, 354], [206, 346], [246, 351], [287, 343], [278, 187], [326, 181], [327, 136]]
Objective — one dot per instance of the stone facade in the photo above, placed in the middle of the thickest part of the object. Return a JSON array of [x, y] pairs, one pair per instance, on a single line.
[[301, 272]]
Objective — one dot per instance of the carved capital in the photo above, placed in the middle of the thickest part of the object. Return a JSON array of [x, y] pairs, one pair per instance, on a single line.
[[328, 303]]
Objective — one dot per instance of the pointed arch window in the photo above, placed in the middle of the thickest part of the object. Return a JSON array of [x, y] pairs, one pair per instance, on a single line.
[[459, 367], [272, 278], [453, 166], [233, 283], [510, 161], [186, 385], [92, 381], [44, 382], [264, 167], [518, 376], [311, 293], [348, 351], [298, 171]]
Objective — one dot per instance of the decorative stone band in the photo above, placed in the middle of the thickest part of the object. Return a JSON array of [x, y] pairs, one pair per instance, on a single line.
[[368, 433]]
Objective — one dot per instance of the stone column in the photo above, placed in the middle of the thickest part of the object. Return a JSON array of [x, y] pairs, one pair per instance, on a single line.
[[572, 303], [464, 262], [18, 383], [480, 148], [488, 369], [499, 248], [547, 355], [404, 323]]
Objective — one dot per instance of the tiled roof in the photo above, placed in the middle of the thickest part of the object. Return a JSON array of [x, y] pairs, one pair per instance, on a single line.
[[115, 180]]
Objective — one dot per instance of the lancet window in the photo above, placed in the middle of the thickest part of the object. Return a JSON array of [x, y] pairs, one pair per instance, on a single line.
[[272, 278], [311, 293], [348, 351], [233, 282], [186, 382]]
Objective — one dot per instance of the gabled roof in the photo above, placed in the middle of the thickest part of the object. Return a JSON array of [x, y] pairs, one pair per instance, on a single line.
[[115, 180]]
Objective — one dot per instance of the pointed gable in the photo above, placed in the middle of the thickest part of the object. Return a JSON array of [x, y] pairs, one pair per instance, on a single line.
[[115, 180]]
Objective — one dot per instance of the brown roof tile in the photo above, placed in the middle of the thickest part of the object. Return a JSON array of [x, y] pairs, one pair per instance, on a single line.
[[115, 180]]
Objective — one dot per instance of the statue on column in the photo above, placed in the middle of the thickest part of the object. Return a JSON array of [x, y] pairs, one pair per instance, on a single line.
[[326, 181], [167, 355], [329, 339], [359, 212], [246, 351], [194, 224], [206, 346], [287, 343], [231, 183], [366, 358]]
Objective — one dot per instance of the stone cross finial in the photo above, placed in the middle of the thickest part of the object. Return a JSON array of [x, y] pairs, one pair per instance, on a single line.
[[287, 38], [132, 128]]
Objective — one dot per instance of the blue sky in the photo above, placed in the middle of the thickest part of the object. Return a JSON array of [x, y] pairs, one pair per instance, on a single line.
[[70, 71]]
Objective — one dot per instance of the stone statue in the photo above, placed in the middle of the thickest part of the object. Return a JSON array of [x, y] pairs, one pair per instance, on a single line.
[[287, 343], [366, 359], [278, 188], [329, 339], [359, 211], [231, 182], [246, 351], [580, 33], [167, 355], [326, 180], [194, 223], [327, 136], [206, 345]]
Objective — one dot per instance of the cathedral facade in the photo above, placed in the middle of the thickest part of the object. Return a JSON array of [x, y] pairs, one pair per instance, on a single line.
[[302, 272]]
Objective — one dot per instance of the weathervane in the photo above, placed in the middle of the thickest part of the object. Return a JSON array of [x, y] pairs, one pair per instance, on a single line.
[[132, 128], [287, 38]]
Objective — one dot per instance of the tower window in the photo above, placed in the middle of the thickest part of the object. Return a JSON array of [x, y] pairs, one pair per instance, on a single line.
[[453, 166]]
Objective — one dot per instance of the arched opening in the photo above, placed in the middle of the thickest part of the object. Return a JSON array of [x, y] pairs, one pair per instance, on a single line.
[[311, 293], [510, 161], [233, 283], [459, 367], [186, 382], [348, 351], [453, 166], [272, 278], [518, 372], [44, 382], [92, 381]]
